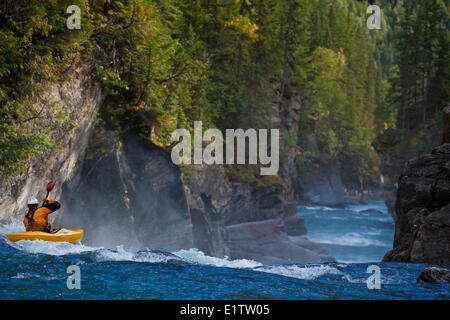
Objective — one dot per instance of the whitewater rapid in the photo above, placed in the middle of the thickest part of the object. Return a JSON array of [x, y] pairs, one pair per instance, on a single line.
[[354, 234], [358, 239], [191, 256]]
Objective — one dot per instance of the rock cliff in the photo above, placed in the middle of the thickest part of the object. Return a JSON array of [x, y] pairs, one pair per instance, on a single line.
[[79, 97], [422, 229], [386, 146], [128, 193], [240, 220], [124, 190]]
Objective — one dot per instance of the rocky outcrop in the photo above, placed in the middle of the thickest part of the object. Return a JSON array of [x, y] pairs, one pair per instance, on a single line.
[[240, 220], [79, 99], [264, 241], [320, 180], [286, 119], [434, 274], [321, 185], [122, 189], [128, 193], [208, 192], [279, 238], [446, 125], [395, 147], [386, 146], [422, 229]]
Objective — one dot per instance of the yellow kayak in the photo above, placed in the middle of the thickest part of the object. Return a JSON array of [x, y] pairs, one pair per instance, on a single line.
[[62, 235]]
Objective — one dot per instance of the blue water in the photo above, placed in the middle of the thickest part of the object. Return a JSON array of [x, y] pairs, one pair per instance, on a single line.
[[350, 234], [37, 270]]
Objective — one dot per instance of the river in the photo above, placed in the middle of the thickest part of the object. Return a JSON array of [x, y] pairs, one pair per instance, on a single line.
[[355, 237]]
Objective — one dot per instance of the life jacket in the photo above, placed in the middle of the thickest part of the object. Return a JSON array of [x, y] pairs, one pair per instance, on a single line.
[[30, 215], [31, 224], [37, 219]]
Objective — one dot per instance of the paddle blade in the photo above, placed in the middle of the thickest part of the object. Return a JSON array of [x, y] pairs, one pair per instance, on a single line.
[[51, 185]]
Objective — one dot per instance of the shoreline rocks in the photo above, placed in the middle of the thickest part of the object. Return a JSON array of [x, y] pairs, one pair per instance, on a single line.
[[434, 274], [265, 242]]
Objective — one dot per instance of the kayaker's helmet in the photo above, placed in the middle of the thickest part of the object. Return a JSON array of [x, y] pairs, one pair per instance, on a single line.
[[33, 201]]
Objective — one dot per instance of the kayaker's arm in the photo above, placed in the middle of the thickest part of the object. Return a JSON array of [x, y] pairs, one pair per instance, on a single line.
[[40, 215], [25, 222], [51, 205]]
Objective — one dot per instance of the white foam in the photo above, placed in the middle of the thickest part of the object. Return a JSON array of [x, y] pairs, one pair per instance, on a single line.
[[14, 225], [351, 239], [51, 248], [22, 276], [308, 272], [320, 208], [140, 256], [197, 256], [193, 255], [362, 207], [26, 276]]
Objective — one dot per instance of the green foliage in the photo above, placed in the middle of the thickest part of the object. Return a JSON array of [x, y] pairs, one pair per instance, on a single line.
[[418, 85], [17, 146], [250, 175], [164, 63], [36, 48], [343, 85]]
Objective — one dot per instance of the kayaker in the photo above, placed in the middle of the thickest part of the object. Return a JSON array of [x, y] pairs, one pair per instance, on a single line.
[[37, 218]]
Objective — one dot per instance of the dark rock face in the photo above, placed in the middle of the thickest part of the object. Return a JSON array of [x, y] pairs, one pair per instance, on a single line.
[[232, 218], [446, 125], [320, 180], [422, 229], [253, 205], [294, 226], [386, 146], [209, 231], [322, 186], [128, 193], [434, 274], [277, 238], [393, 155], [208, 192], [287, 113]]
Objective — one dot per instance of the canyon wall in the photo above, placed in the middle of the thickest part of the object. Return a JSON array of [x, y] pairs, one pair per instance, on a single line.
[[254, 221], [79, 97], [422, 229], [124, 190]]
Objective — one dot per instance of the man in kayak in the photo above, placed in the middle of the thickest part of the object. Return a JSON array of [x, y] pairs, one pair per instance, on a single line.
[[37, 218]]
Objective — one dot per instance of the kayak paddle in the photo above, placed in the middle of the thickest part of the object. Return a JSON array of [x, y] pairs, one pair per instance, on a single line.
[[49, 188]]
